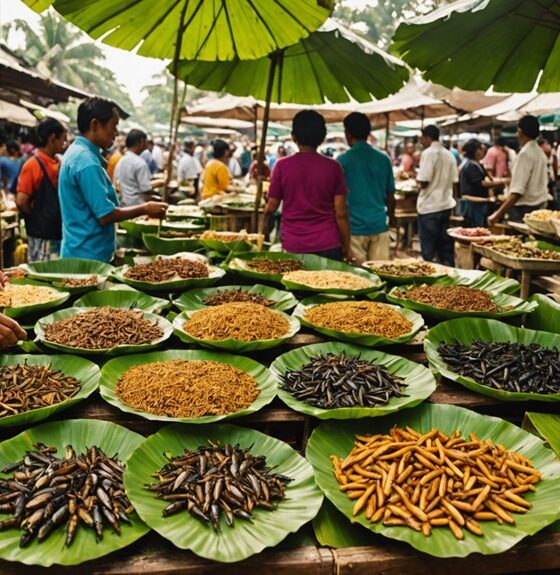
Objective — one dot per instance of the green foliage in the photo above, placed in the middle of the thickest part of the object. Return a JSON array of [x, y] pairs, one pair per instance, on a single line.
[[58, 50]]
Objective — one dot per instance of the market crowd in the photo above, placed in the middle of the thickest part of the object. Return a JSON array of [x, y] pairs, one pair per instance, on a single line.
[[72, 196]]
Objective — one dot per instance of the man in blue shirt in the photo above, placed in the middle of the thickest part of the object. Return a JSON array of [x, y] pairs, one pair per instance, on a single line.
[[88, 202], [10, 166], [371, 187]]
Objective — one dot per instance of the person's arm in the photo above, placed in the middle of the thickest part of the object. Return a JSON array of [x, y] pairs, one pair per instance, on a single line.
[[26, 184], [150, 209], [24, 202], [497, 216], [10, 331], [343, 224], [223, 178], [425, 171]]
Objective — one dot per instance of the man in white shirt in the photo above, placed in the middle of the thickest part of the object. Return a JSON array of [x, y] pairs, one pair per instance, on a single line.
[[233, 164], [189, 168], [437, 177], [132, 175], [528, 190], [157, 156]]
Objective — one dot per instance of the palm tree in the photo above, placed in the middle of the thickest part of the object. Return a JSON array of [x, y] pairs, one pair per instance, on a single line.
[[60, 51]]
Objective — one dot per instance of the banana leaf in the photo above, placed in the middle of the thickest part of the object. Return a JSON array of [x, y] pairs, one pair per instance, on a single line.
[[317, 263], [420, 383], [214, 275], [66, 268], [488, 281], [516, 306], [337, 438], [113, 370], [245, 538], [333, 529], [117, 350], [169, 246], [234, 345], [194, 299], [547, 426], [547, 315], [358, 338], [441, 272], [238, 265], [81, 434], [128, 299], [25, 311], [135, 228], [86, 372], [225, 247], [466, 330]]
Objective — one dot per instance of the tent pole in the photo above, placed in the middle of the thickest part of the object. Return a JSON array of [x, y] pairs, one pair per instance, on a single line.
[[387, 129], [256, 120], [262, 144]]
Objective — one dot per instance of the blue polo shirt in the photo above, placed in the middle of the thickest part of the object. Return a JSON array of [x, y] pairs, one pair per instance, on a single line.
[[369, 178], [86, 195]]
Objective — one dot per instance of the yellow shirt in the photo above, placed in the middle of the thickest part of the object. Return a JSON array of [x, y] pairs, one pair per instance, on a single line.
[[216, 178], [112, 162]]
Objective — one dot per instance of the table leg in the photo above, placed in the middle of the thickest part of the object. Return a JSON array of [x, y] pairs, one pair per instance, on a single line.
[[525, 284]]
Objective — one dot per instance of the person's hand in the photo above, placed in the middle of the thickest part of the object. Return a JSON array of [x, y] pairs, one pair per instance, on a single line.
[[3, 279], [349, 257], [493, 219], [155, 209], [10, 331]]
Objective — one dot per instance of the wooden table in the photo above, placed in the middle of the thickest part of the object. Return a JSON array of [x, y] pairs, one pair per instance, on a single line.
[[156, 556]]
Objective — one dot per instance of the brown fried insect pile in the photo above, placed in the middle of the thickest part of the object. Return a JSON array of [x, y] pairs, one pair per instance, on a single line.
[[214, 481], [47, 492]]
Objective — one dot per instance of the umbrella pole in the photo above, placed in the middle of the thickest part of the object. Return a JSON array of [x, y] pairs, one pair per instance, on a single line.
[[387, 128], [262, 146], [174, 104]]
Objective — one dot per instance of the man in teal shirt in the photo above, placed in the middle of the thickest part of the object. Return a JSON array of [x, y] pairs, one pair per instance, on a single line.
[[371, 187], [88, 202]]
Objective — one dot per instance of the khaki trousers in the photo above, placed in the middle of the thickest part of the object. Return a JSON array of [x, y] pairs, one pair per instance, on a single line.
[[375, 247]]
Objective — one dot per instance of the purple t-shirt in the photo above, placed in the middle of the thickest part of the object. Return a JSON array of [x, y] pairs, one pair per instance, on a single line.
[[307, 184]]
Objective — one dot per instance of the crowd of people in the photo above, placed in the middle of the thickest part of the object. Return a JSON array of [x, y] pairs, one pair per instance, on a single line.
[[72, 197]]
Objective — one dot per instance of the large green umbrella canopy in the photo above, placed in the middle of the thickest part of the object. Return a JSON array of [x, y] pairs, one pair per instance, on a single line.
[[330, 65], [476, 44], [211, 29]]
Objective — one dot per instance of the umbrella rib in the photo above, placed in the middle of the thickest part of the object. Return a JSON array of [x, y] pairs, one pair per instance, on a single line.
[[263, 21], [112, 15], [316, 76], [224, 7], [291, 15], [210, 30]]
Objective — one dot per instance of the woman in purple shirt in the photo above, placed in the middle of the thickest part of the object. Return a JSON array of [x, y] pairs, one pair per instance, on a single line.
[[312, 190]]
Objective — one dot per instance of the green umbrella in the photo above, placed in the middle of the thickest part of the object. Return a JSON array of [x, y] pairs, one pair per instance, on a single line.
[[475, 44], [194, 29], [331, 65]]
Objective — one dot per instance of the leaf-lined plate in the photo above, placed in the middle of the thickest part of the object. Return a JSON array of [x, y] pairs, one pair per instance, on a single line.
[[466, 330], [240, 265], [194, 299], [222, 244], [113, 370], [81, 434], [40, 326], [124, 298], [25, 311], [394, 279], [419, 381], [67, 268], [135, 228], [167, 246], [245, 538], [547, 426], [369, 340], [86, 372], [547, 315], [214, 275], [234, 345], [337, 438], [508, 305]]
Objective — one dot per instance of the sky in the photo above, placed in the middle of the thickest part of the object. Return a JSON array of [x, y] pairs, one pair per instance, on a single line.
[[133, 71]]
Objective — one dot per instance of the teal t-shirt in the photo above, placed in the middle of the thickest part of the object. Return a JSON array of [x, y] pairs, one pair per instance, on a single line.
[[369, 178], [86, 195]]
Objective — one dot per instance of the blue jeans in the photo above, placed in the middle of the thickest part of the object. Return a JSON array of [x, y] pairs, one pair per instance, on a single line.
[[432, 229]]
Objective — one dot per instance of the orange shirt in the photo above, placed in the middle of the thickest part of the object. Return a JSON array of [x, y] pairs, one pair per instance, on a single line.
[[216, 178], [112, 162], [31, 174]]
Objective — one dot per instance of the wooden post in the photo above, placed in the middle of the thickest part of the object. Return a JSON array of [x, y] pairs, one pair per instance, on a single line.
[[387, 127], [274, 58]]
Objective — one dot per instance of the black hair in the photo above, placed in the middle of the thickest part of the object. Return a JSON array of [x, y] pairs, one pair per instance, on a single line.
[[431, 132], [188, 144], [357, 125], [542, 140], [46, 128], [309, 128], [12, 145], [530, 126], [470, 148], [95, 109], [500, 141], [134, 137], [219, 147]]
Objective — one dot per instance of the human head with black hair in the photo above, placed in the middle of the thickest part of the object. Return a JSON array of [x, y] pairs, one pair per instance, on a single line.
[[473, 150], [309, 129], [500, 141], [221, 150], [51, 136], [429, 134], [97, 121], [13, 148], [356, 127], [545, 145], [188, 146], [136, 141], [528, 129]]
